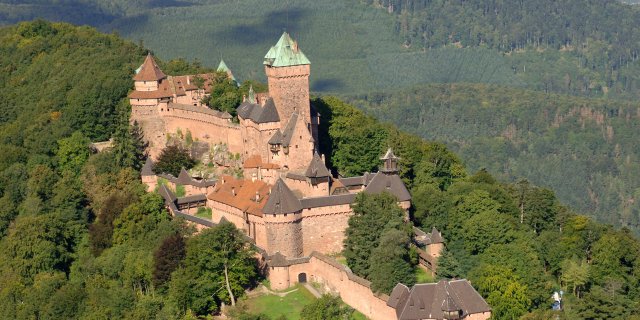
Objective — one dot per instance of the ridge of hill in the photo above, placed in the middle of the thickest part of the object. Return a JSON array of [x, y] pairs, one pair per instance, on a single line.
[[569, 46], [585, 149]]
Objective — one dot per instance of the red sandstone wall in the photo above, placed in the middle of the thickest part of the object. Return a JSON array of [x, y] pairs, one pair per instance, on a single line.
[[335, 278], [479, 316], [284, 235], [323, 228], [289, 87]]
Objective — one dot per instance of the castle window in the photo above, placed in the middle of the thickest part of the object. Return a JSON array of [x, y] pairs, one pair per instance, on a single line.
[[285, 214]]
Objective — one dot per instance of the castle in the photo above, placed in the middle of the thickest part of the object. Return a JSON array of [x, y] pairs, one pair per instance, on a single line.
[[287, 203]]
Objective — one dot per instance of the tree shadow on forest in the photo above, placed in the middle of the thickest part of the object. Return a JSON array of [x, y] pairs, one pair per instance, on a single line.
[[327, 85], [270, 27]]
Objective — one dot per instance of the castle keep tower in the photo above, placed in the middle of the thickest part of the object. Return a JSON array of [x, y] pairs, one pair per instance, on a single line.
[[287, 70]]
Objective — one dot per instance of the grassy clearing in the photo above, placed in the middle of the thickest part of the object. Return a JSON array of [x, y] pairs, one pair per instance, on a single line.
[[204, 213], [423, 276], [275, 306]]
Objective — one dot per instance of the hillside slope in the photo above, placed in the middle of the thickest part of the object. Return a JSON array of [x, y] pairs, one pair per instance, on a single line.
[[585, 149]]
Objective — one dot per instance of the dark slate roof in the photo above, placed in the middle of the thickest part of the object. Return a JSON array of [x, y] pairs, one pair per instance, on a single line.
[[195, 219], [398, 297], [257, 113], [287, 133], [435, 236], [147, 168], [423, 238], [281, 200], [316, 168], [184, 178], [467, 297], [390, 183], [429, 300], [325, 201], [279, 260], [276, 138], [166, 193], [194, 198], [357, 181], [295, 176]]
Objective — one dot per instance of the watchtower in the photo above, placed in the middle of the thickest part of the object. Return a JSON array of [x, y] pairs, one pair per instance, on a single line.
[[288, 70], [148, 76]]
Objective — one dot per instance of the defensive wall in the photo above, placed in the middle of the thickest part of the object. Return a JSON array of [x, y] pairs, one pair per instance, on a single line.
[[333, 277]]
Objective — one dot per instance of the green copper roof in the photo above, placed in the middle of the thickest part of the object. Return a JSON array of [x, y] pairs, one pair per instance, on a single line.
[[222, 67], [252, 95], [285, 53]]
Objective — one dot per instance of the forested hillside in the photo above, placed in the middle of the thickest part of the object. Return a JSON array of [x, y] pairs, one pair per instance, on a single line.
[[594, 45], [81, 239], [585, 149]]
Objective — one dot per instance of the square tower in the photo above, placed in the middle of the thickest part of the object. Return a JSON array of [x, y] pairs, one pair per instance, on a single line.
[[287, 70]]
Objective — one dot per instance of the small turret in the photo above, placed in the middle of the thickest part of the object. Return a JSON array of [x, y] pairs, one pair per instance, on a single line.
[[148, 75], [222, 67], [390, 165]]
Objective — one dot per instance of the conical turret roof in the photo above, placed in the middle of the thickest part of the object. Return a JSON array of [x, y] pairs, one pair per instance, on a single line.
[[281, 200], [285, 53], [316, 168], [222, 67], [149, 71]]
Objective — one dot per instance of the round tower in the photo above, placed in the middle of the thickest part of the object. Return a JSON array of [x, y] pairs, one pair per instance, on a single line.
[[282, 216]]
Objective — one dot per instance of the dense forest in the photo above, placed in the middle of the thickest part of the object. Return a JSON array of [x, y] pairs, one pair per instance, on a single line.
[[600, 40], [585, 149]]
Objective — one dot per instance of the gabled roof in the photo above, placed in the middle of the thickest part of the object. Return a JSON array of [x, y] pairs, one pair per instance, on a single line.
[[285, 53], [430, 300], [390, 183], [255, 161], [149, 71], [287, 133], [245, 195], [316, 168], [184, 177], [282, 200], [257, 113]]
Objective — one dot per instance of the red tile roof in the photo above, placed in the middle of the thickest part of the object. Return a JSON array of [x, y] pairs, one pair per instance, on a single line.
[[241, 194], [149, 71]]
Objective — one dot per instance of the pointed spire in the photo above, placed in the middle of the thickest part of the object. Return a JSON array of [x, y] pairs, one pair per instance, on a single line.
[[285, 53], [390, 162], [316, 168], [282, 200], [252, 95], [222, 67], [149, 70]]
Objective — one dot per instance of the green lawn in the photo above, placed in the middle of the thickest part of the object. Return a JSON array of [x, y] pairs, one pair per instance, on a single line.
[[423, 276], [204, 213], [275, 306]]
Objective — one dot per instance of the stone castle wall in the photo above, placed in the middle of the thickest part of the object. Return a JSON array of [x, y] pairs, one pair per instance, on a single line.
[[336, 278], [324, 228]]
